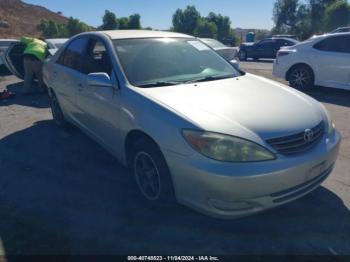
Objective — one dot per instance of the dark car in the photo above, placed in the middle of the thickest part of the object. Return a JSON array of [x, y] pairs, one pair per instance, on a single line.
[[266, 48]]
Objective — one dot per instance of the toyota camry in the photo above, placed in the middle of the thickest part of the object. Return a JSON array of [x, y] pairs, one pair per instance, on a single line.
[[190, 126]]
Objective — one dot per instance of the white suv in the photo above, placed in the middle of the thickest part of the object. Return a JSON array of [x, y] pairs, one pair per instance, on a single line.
[[322, 60]]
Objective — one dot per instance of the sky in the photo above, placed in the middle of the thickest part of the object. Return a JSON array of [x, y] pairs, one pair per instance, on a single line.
[[158, 13]]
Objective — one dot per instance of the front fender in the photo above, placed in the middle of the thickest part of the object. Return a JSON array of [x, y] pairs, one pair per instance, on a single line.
[[162, 124]]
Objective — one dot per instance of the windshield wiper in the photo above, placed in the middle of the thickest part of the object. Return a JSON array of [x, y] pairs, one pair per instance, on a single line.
[[209, 78], [159, 83]]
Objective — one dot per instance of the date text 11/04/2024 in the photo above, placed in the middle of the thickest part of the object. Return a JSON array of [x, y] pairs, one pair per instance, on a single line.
[[173, 258]]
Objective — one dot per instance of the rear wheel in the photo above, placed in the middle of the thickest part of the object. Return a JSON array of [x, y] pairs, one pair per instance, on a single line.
[[242, 55], [56, 110], [301, 77], [151, 172]]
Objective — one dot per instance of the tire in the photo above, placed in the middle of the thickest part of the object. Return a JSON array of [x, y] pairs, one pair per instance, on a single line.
[[56, 110], [242, 55], [301, 77], [151, 173]]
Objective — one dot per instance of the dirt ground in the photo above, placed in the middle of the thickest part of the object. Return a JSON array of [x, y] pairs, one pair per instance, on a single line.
[[61, 193]]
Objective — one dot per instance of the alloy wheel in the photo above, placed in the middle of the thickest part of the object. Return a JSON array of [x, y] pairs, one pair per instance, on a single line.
[[147, 176], [300, 78]]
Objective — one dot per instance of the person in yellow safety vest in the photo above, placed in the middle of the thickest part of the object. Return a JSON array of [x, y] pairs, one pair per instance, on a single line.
[[33, 57]]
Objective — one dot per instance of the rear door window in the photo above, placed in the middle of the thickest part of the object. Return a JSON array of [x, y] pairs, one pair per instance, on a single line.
[[266, 42], [72, 55], [338, 44]]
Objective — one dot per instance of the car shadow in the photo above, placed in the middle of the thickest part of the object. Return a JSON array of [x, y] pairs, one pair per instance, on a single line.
[[330, 95], [61, 193], [32, 100]]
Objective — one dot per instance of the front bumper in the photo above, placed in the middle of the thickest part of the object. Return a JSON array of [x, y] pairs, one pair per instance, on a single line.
[[229, 190]]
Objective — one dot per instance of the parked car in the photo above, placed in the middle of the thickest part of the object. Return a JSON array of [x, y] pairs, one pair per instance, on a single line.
[[190, 127], [285, 36], [266, 48], [13, 57], [227, 52], [55, 43], [322, 61], [341, 30], [4, 44]]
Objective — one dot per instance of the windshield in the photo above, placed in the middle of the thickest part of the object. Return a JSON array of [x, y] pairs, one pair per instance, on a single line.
[[213, 43], [168, 61]]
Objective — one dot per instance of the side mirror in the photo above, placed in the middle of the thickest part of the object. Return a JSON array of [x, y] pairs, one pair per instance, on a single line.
[[235, 63], [99, 79]]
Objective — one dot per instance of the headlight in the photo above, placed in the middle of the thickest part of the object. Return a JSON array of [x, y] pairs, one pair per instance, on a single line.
[[331, 125], [226, 148]]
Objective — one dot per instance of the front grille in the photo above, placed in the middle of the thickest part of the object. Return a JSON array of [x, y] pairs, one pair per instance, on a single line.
[[295, 144]]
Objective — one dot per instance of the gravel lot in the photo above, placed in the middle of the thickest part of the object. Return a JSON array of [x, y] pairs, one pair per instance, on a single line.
[[61, 193]]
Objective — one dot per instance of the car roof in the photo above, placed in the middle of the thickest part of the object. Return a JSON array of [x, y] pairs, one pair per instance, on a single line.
[[125, 34], [8, 40], [340, 28], [284, 38], [329, 34]]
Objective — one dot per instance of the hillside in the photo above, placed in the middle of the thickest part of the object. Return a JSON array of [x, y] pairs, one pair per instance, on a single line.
[[18, 18]]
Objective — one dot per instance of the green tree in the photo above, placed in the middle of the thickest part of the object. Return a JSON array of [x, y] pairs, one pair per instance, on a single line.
[[337, 15], [285, 15], [123, 23], [223, 24], [206, 29], [50, 29], [317, 10], [291, 17], [134, 21], [62, 31], [109, 21], [75, 26], [186, 21]]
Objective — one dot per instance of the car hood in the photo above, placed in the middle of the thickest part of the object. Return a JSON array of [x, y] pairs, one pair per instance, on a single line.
[[248, 106]]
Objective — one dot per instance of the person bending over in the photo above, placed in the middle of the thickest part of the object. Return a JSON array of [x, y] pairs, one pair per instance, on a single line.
[[33, 57]]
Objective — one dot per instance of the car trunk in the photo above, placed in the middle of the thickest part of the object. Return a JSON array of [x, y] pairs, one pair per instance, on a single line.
[[14, 59]]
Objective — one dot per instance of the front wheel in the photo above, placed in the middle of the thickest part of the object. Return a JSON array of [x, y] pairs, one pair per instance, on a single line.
[[56, 110], [301, 77], [151, 173]]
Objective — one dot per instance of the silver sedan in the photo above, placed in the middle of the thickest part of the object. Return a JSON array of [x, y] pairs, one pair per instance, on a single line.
[[191, 127]]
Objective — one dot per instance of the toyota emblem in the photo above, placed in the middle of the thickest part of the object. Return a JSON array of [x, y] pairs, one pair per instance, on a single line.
[[308, 135]]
